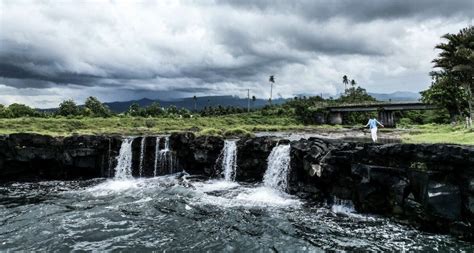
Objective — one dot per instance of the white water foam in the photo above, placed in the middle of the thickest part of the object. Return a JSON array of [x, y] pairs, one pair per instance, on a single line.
[[232, 194], [276, 175], [268, 197], [346, 207], [215, 185]]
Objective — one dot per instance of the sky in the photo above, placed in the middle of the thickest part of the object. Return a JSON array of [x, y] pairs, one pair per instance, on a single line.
[[123, 50]]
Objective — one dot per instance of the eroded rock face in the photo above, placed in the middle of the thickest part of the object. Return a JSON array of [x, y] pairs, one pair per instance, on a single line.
[[430, 185], [252, 154], [34, 156], [197, 155]]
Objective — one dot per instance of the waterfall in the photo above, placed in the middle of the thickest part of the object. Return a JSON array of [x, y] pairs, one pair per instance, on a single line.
[[229, 160], [164, 159], [157, 152], [276, 175], [124, 160], [167, 143], [142, 155], [109, 159]]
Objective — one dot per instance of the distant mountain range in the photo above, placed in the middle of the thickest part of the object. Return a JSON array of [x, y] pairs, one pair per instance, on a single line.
[[396, 96], [202, 102], [188, 103]]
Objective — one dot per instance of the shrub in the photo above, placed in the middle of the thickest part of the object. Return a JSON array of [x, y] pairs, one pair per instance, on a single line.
[[149, 123], [405, 122], [211, 131], [237, 132]]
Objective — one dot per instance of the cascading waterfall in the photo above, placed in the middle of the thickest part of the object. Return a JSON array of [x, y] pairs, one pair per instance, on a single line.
[[142, 155], [229, 160], [164, 158], [157, 152], [123, 170], [276, 175]]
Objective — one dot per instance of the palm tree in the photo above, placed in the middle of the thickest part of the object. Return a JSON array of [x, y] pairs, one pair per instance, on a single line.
[[272, 81], [353, 83], [345, 81], [195, 102], [456, 60]]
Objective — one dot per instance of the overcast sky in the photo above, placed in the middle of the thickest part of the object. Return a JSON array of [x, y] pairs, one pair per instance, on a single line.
[[119, 50]]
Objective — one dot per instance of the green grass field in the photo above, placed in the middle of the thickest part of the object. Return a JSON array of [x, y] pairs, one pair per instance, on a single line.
[[239, 124], [432, 133], [138, 126]]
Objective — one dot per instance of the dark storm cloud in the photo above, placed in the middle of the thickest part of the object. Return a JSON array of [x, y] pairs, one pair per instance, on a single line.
[[200, 47], [360, 11]]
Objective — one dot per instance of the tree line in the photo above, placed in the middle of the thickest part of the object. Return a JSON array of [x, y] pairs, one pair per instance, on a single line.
[[95, 108]]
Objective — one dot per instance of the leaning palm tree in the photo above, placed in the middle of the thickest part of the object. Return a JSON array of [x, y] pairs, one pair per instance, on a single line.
[[345, 81]]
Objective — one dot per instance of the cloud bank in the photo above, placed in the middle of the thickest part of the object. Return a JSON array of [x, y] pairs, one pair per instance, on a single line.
[[119, 50]]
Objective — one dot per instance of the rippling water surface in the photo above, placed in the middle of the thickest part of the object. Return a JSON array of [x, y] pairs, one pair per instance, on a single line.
[[166, 213]]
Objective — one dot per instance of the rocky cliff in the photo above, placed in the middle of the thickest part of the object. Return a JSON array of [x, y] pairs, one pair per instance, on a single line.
[[40, 157], [428, 186]]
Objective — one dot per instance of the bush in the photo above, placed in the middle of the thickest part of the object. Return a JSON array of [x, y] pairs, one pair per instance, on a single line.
[[149, 123], [237, 132], [211, 131], [19, 110], [405, 123]]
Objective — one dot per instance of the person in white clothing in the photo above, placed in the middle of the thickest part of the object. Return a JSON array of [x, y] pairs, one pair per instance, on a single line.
[[372, 124]]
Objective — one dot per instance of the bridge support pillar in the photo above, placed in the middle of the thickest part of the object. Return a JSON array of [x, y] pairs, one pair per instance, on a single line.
[[335, 118], [386, 118]]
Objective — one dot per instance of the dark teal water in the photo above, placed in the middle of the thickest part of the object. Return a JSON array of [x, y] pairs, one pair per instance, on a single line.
[[166, 214]]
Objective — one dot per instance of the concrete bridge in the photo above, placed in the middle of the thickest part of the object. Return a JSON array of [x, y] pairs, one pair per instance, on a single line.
[[385, 110]]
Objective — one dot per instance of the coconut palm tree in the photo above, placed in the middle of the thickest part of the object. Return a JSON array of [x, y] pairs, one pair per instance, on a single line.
[[353, 83], [456, 59], [272, 81], [195, 102], [345, 81]]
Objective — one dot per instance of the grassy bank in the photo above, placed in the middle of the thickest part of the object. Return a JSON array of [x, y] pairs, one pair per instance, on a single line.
[[432, 133], [139, 126], [221, 125]]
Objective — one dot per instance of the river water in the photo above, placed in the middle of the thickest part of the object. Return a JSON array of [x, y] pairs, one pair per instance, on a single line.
[[175, 214]]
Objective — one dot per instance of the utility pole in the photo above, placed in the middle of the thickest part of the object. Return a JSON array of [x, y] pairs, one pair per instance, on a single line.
[[248, 100]]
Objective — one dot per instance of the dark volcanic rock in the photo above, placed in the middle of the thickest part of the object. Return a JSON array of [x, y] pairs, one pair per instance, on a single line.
[[196, 155], [33, 156], [431, 185], [252, 154]]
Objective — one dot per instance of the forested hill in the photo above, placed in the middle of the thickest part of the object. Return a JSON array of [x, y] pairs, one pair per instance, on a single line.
[[188, 103]]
